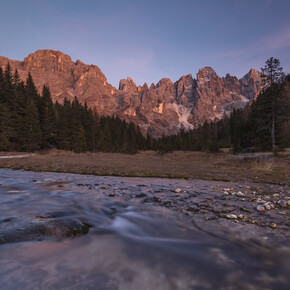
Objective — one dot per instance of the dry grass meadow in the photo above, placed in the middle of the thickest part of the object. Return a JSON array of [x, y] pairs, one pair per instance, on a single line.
[[179, 164]]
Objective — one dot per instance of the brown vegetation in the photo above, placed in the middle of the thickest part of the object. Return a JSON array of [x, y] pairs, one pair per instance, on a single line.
[[179, 164]]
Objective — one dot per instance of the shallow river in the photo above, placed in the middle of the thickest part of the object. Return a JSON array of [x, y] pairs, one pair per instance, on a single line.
[[133, 242]]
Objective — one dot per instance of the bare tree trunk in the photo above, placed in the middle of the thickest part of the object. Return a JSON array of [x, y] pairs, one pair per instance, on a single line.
[[273, 136]]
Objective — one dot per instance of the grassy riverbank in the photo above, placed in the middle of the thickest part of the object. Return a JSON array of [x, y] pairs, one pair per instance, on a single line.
[[192, 165]]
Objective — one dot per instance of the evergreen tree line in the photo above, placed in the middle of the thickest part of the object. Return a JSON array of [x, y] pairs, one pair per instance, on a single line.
[[263, 125], [30, 121]]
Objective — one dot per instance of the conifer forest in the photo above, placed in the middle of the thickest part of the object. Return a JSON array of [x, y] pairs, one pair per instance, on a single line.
[[30, 121]]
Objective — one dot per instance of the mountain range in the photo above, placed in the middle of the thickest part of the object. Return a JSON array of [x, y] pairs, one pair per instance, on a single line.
[[163, 108]]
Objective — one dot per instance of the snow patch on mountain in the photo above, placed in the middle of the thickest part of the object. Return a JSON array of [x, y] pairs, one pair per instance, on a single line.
[[183, 115]]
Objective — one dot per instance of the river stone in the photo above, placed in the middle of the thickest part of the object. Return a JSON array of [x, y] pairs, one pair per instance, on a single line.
[[231, 216], [240, 194], [260, 208], [38, 229], [269, 205], [282, 203], [262, 201]]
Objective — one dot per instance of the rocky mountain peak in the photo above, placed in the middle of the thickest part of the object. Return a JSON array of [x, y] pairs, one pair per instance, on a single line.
[[229, 77], [252, 74], [79, 62], [206, 74], [185, 78], [185, 90], [3, 60], [164, 81], [231, 83], [50, 60], [127, 84], [145, 87], [164, 108], [251, 83]]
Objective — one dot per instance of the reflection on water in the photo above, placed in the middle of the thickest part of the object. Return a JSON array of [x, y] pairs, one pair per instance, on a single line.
[[129, 246]]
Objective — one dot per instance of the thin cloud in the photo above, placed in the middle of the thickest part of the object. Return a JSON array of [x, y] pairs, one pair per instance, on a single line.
[[266, 44], [277, 41]]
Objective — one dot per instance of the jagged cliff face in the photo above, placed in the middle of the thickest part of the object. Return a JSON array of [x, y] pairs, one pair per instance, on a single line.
[[163, 108], [66, 78]]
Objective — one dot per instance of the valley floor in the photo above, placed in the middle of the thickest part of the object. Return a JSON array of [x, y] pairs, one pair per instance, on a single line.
[[259, 167]]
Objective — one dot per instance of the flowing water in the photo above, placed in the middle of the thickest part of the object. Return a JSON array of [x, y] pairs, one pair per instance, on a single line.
[[131, 244]]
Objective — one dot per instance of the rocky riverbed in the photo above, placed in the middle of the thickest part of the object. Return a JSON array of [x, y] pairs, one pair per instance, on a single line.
[[68, 231]]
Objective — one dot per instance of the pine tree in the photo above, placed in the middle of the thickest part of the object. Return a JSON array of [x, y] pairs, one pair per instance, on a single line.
[[272, 72], [8, 74], [31, 91], [16, 78], [47, 119], [64, 125], [6, 103], [19, 115], [269, 100], [78, 136], [32, 132], [284, 118], [4, 128]]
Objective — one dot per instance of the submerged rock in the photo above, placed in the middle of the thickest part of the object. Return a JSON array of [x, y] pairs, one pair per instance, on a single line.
[[40, 229]]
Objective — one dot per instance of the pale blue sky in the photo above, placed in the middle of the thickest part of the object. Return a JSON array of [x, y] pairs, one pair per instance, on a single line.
[[149, 40]]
